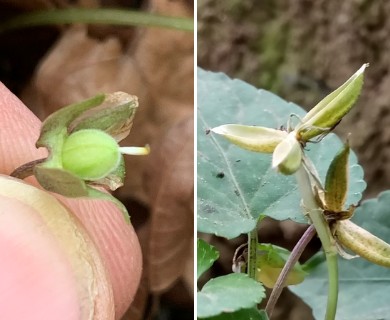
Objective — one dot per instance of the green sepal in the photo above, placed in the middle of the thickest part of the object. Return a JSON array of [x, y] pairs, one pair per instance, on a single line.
[[330, 111], [114, 116], [67, 184], [60, 181], [55, 128], [97, 194], [336, 183]]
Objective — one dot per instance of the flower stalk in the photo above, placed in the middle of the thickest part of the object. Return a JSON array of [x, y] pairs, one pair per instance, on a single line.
[[316, 216]]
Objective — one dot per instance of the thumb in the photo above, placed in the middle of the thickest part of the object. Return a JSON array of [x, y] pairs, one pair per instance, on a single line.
[[50, 268]]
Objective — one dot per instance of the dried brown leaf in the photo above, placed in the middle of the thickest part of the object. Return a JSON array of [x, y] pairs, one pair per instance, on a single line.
[[170, 185]]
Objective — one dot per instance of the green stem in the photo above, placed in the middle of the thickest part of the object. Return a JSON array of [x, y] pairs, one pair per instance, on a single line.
[[333, 286], [252, 253], [317, 218], [97, 16]]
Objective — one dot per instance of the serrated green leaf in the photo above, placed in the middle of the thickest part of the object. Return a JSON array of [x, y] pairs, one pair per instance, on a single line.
[[236, 186], [243, 314], [364, 287], [228, 293], [206, 254]]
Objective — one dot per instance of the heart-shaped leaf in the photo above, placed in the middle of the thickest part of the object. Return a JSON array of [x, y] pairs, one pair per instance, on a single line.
[[229, 293]]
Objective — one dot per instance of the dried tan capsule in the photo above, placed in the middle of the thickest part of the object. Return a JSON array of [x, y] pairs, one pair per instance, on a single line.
[[258, 139], [362, 242]]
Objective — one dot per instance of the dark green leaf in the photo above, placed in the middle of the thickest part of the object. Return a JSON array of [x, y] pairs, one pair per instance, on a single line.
[[207, 254], [243, 314], [228, 293]]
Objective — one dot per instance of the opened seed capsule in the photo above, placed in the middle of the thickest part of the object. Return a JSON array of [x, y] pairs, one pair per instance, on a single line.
[[287, 157]]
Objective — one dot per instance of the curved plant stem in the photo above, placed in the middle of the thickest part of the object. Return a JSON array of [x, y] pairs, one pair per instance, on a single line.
[[26, 169], [97, 16], [292, 259], [325, 235]]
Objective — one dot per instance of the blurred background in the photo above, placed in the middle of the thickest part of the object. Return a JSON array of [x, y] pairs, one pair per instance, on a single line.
[[302, 50], [51, 66]]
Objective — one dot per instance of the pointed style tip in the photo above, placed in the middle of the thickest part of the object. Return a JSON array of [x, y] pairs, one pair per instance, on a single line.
[[363, 68], [218, 130], [135, 151]]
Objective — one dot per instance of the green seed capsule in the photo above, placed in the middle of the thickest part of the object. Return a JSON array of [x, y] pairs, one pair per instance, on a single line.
[[329, 112], [90, 154]]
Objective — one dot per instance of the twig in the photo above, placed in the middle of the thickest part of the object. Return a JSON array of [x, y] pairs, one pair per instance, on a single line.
[[26, 169], [292, 259]]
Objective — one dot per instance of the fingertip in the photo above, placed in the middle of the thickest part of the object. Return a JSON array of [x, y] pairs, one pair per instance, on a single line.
[[36, 281], [50, 258], [117, 243]]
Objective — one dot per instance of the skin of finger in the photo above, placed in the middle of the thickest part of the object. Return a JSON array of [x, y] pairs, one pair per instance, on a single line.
[[115, 240], [26, 281]]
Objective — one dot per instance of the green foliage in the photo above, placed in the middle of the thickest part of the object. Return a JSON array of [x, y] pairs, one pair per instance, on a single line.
[[243, 314], [236, 186], [228, 293], [206, 255]]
